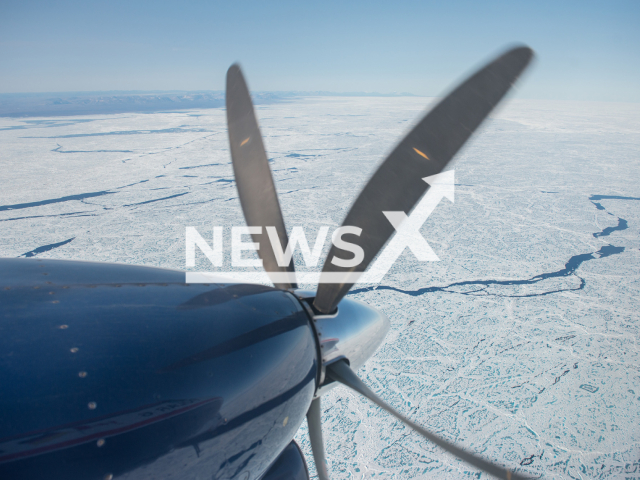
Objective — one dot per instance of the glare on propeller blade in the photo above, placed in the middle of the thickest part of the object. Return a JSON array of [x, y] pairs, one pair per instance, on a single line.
[[420, 153]]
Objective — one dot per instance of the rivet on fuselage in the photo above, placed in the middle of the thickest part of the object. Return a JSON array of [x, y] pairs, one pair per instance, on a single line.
[[82, 374], [74, 350], [92, 405], [100, 442]]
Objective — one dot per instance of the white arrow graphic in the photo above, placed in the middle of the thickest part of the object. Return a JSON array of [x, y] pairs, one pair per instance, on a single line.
[[408, 228]]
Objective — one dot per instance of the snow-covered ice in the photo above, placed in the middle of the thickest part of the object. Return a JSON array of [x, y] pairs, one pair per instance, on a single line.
[[520, 344]]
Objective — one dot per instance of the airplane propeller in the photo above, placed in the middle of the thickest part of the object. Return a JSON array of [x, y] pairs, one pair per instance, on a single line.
[[257, 192], [397, 185]]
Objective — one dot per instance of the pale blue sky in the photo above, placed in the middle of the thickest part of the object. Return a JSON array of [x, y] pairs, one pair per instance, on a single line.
[[586, 50]]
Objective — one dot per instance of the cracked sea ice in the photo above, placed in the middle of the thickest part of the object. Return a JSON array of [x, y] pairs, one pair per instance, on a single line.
[[521, 344]]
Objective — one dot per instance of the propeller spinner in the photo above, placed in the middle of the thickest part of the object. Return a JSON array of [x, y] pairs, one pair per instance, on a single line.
[[349, 332]]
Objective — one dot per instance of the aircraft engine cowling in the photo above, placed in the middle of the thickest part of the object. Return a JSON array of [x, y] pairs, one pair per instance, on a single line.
[[116, 371]]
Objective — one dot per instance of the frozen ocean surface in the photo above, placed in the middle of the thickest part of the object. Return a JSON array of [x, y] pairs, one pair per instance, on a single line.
[[520, 344]]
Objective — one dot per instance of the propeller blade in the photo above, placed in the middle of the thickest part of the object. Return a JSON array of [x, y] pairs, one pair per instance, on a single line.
[[314, 422], [257, 192], [341, 372], [397, 185]]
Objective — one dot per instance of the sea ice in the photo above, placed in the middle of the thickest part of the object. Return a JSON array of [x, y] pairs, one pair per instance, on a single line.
[[520, 344]]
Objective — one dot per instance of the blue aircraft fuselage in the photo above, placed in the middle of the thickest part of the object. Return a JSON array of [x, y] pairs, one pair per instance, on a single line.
[[110, 371]]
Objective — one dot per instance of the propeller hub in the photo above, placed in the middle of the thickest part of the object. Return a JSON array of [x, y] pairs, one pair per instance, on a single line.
[[353, 332]]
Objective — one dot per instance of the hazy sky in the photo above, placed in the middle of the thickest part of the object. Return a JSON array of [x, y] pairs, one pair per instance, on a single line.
[[586, 50]]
